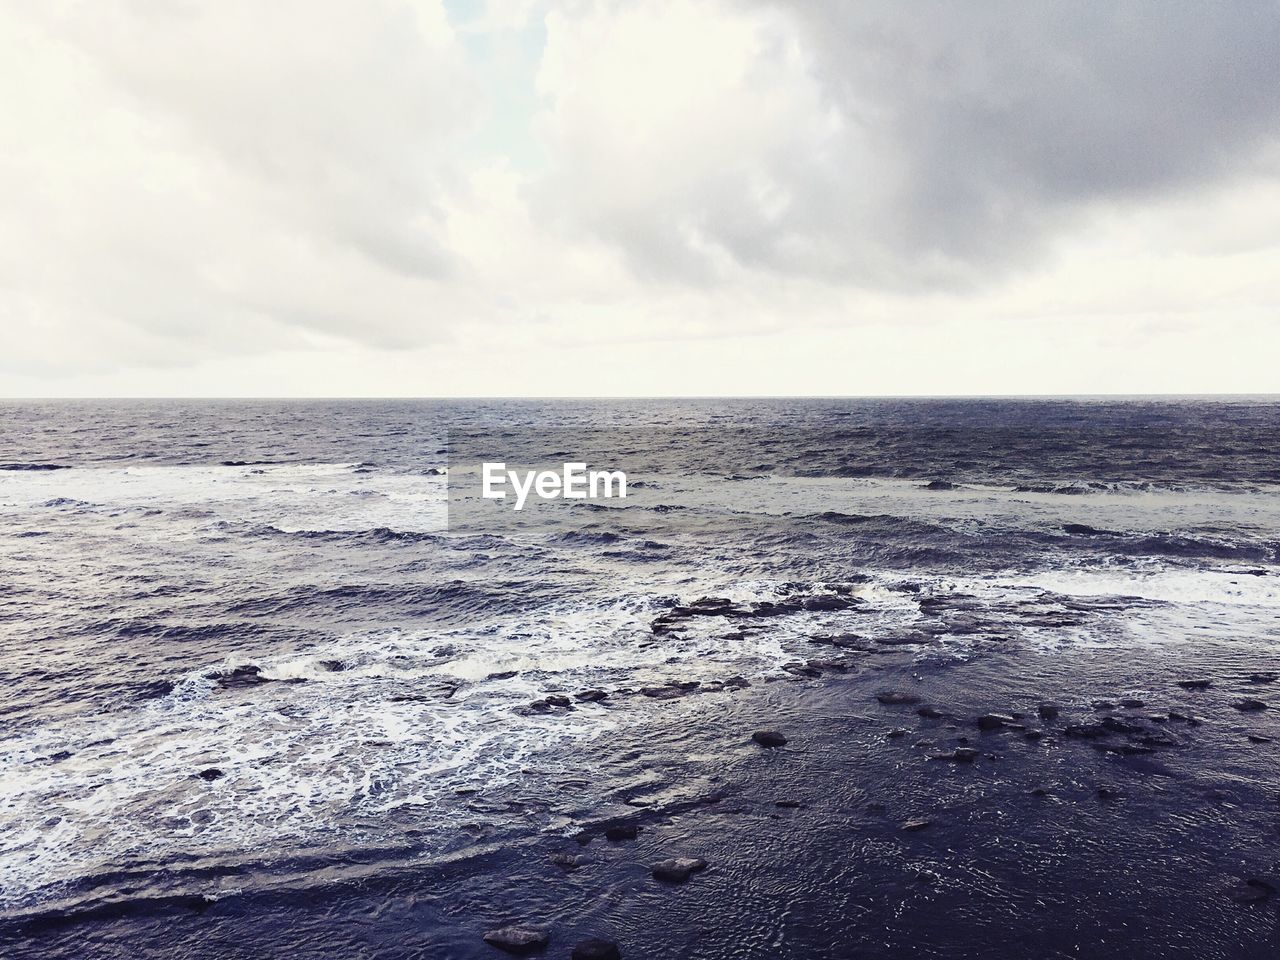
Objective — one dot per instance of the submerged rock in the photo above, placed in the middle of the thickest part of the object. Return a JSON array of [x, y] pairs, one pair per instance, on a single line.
[[246, 676], [1116, 725], [1131, 703], [994, 721], [1086, 731], [518, 939], [930, 713], [1197, 684], [595, 948], [958, 755], [568, 861], [1048, 711], [213, 773], [677, 869], [1253, 890], [621, 831], [911, 826], [897, 698], [769, 738], [1249, 705]]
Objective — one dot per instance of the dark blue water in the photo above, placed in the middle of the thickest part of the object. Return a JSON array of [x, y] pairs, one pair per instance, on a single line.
[[270, 680]]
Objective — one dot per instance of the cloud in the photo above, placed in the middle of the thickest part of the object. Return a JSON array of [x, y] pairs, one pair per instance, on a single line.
[[237, 186], [902, 146], [230, 176]]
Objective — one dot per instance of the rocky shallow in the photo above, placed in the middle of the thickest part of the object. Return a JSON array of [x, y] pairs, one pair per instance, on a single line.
[[1101, 804]]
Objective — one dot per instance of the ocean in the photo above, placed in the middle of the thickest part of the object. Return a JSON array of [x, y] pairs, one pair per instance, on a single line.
[[274, 681]]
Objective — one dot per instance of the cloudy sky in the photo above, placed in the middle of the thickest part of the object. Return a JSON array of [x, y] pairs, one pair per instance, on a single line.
[[566, 197]]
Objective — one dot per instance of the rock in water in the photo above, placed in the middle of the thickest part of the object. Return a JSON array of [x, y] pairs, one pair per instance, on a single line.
[[621, 831], [596, 949], [769, 738], [1249, 705], [1198, 684], [958, 755], [993, 721], [677, 869], [518, 939], [911, 826], [1253, 890], [896, 698], [567, 861], [1048, 711]]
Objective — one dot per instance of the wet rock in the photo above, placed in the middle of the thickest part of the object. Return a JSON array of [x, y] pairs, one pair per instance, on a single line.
[[1116, 725], [1039, 792], [518, 939], [1123, 749], [1248, 705], [1048, 711], [958, 755], [994, 721], [788, 804], [1184, 718], [594, 948], [246, 676], [912, 638], [930, 713], [1103, 705], [1033, 734], [1258, 738], [558, 700], [503, 675], [213, 773], [621, 831], [844, 641], [939, 485], [828, 602], [1084, 530], [895, 698], [1130, 703], [677, 869], [801, 670], [591, 696], [896, 732], [669, 692], [769, 738], [1197, 684], [1265, 677], [912, 826], [1106, 793], [568, 862]]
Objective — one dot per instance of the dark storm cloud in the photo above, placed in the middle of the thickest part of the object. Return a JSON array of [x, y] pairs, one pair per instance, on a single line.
[[951, 142]]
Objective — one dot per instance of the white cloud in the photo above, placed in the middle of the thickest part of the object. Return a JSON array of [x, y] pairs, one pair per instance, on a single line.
[[666, 197]]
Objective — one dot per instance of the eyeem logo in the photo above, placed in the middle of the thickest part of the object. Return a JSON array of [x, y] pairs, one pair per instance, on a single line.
[[574, 482]]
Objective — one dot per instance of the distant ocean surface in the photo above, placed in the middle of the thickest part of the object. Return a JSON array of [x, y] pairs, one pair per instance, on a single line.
[[249, 646]]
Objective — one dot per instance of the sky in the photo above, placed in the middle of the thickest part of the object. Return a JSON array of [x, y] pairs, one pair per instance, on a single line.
[[577, 198]]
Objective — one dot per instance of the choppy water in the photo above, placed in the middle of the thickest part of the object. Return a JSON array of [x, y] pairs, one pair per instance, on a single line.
[[283, 593]]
